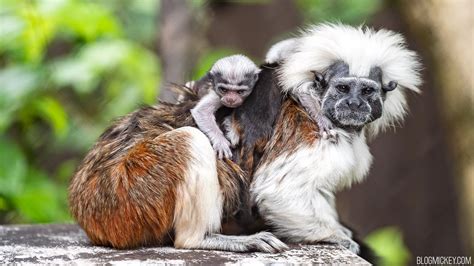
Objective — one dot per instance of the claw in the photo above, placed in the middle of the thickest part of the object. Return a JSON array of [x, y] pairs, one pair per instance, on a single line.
[[326, 129], [330, 135], [267, 242], [344, 241]]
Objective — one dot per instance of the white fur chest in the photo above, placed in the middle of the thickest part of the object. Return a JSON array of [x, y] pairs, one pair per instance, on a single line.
[[322, 166]]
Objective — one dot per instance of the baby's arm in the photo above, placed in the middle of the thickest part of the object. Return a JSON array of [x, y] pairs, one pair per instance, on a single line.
[[204, 116], [310, 96]]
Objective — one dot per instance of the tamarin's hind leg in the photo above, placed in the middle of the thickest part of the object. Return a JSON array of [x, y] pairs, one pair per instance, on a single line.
[[131, 196], [125, 196], [199, 205], [263, 242], [199, 202]]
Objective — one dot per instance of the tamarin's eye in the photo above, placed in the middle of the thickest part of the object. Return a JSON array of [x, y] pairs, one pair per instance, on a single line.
[[241, 92], [222, 90], [343, 88], [367, 90]]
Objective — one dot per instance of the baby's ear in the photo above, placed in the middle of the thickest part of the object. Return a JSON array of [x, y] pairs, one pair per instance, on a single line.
[[210, 76], [255, 75]]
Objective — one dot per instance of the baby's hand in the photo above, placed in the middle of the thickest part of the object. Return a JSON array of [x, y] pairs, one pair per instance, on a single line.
[[222, 148], [326, 128]]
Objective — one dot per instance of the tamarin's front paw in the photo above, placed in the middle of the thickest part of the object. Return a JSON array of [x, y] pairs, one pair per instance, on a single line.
[[266, 242], [330, 135], [222, 148], [351, 245], [345, 242], [326, 129]]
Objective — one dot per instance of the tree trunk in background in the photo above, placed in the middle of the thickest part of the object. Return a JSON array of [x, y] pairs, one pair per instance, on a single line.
[[252, 27], [451, 44], [178, 43]]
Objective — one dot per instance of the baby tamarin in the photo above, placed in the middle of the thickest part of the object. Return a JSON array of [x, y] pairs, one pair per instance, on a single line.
[[232, 79]]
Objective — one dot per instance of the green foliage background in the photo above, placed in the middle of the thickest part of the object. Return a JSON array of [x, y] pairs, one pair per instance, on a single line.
[[69, 67]]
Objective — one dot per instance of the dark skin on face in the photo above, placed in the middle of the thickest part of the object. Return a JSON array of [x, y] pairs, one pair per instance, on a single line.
[[233, 95], [231, 98], [223, 93], [351, 102]]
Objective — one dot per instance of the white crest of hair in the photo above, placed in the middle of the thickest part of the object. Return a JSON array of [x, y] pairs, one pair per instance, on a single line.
[[233, 68], [281, 50], [361, 48]]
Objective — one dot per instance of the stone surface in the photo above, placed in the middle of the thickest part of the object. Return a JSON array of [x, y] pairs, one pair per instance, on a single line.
[[67, 243]]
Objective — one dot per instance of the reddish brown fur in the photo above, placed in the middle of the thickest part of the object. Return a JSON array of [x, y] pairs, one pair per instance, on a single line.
[[133, 205], [124, 193], [293, 128]]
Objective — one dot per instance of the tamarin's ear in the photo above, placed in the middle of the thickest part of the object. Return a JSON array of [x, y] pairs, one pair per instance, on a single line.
[[318, 77], [210, 76], [390, 86], [255, 75]]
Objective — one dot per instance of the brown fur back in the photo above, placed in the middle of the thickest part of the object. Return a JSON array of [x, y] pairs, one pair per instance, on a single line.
[[124, 193]]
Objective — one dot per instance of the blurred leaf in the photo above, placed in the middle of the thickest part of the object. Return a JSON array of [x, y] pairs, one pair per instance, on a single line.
[[141, 20], [16, 84], [100, 22], [143, 69], [83, 134], [53, 112], [105, 55], [246, 2], [3, 204], [76, 48], [65, 170], [13, 168], [126, 101], [41, 200], [74, 72], [94, 60], [345, 11], [38, 32], [84, 71], [11, 28], [388, 243]]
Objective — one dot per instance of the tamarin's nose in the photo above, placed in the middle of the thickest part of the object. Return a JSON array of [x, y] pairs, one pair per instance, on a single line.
[[353, 103]]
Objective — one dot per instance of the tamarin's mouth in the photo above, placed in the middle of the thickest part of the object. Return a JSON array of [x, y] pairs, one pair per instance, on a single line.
[[352, 118], [231, 105]]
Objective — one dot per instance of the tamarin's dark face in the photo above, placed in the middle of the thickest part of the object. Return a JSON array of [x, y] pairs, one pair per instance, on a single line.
[[350, 101], [233, 91]]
